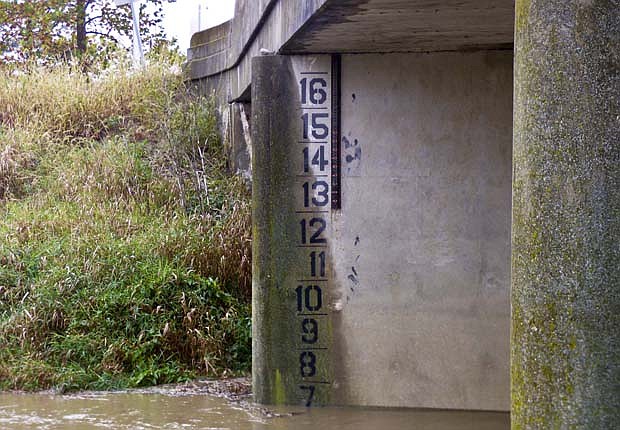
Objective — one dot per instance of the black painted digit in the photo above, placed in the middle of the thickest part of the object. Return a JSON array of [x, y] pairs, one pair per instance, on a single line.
[[319, 130], [303, 230], [316, 88], [303, 84], [309, 298], [299, 290], [323, 129], [322, 193], [317, 303], [306, 195], [322, 94], [316, 236], [310, 329], [307, 364], [306, 162], [310, 389], [313, 257], [304, 118], [319, 158]]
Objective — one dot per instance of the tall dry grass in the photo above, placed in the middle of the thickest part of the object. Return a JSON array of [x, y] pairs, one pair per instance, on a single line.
[[124, 242]]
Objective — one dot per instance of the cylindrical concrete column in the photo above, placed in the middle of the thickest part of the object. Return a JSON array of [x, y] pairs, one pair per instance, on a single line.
[[292, 331], [272, 117], [566, 215]]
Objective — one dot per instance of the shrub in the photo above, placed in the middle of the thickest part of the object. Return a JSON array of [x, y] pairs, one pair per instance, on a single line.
[[124, 242]]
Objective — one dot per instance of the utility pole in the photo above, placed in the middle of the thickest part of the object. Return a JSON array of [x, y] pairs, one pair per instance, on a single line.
[[200, 15], [138, 51]]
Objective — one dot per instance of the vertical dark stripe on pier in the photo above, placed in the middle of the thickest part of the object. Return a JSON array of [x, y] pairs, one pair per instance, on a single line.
[[335, 152]]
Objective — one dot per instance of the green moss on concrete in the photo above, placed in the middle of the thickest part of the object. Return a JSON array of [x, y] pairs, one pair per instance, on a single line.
[[522, 12], [566, 201], [278, 389], [277, 261]]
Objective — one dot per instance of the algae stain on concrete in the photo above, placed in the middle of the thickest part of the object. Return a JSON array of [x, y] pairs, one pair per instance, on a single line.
[[278, 389], [564, 363], [522, 13]]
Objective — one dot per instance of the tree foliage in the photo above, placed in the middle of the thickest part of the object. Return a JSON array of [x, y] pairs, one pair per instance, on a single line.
[[52, 30]]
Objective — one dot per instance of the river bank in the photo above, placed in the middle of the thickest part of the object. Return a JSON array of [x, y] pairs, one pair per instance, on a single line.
[[232, 389], [124, 239]]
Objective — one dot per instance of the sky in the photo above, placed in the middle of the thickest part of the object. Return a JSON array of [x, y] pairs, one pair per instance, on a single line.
[[181, 18]]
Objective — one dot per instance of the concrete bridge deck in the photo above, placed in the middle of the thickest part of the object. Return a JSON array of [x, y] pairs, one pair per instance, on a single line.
[[221, 56]]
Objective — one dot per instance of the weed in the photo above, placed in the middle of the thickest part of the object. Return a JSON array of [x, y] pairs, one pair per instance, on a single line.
[[124, 242]]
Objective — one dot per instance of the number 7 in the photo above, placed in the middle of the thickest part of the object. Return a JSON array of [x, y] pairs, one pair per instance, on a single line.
[[310, 389]]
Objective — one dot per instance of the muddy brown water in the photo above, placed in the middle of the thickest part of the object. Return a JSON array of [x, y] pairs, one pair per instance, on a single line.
[[171, 408]]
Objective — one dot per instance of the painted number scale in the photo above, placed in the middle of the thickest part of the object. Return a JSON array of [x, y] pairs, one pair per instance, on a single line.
[[313, 203]]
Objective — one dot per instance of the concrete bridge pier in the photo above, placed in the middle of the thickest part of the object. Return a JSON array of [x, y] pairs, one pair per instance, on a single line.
[[565, 344]]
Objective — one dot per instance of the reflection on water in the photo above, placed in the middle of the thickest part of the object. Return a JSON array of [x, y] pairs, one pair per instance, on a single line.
[[129, 410]]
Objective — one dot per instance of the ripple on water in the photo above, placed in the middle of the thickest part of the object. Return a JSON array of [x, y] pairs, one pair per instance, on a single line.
[[184, 407]]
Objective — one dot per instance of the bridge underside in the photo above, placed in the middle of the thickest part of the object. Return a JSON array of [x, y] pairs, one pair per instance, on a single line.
[[361, 26], [219, 58]]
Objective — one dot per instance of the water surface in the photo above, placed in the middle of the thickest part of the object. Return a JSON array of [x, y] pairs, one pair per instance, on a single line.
[[163, 409]]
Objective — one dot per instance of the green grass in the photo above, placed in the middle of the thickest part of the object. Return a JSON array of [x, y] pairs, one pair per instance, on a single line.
[[124, 242]]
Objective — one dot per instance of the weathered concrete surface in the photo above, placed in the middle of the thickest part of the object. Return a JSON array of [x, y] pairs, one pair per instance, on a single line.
[[422, 243], [566, 216], [270, 321], [406, 26], [210, 50], [240, 142], [279, 258], [220, 57], [416, 308]]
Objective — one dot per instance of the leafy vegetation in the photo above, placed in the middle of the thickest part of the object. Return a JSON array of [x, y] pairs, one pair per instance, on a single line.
[[49, 31], [124, 243]]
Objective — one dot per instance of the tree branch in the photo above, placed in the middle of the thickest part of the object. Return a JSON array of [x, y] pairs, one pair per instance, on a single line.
[[107, 36], [89, 20]]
